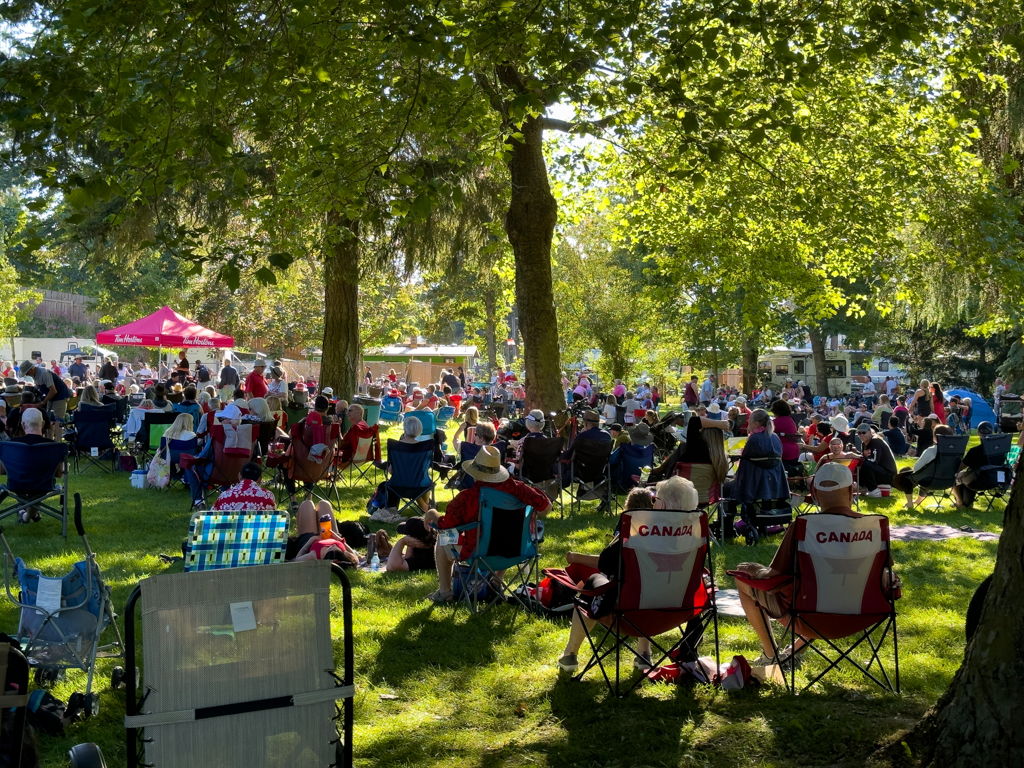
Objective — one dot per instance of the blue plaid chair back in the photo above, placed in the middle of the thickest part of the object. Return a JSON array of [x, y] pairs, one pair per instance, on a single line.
[[233, 540]]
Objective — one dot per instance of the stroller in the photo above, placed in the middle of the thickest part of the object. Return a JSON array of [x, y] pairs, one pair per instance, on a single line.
[[63, 619]]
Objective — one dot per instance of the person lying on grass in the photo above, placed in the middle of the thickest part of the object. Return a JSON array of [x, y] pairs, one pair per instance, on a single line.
[[675, 493], [312, 544], [414, 551], [486, 469]]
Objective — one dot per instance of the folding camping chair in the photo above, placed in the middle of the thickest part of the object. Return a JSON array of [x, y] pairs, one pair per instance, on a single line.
[[32, 480], [841, 568], [13, 701], [147, 439], [223, 469], [995, 478], [408, 475], [665, 579], [391, 410], [238, 669], [63, 619], [318, 478], [709, 492], [93, 436], [590, 473], [626, 464], [428, 420], [235, 540], [539, 467], [444, 415], [940, 474], [506, 540], [364, 458], [461, 480], [175, 450], [1011, 413]]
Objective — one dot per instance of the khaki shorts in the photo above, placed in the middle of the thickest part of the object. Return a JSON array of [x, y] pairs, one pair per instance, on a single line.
[[59, 408]]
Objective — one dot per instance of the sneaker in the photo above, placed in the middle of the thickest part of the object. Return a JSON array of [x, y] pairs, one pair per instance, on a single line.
[[764, 660], [381, 515], [643, 662], [789, 660], [568, 663], [875, 494]]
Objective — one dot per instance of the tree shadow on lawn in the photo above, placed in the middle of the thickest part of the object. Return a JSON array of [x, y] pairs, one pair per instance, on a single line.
[[442, 637]]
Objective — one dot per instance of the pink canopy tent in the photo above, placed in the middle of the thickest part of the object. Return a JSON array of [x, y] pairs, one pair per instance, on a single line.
[[164, 328]]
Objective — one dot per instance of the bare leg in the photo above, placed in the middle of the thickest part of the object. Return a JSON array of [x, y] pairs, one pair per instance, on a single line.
[[396, 560], [308, 516], [577, 633], [755, 617], [444, 563]]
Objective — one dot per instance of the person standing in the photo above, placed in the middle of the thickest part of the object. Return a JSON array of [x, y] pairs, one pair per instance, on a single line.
[[228, 378], [53, 393], [109, 370], [256, 382], [79, 370], [707, 390]]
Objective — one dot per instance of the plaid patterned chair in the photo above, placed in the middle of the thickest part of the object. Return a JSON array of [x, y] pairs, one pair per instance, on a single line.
[[233, 540]]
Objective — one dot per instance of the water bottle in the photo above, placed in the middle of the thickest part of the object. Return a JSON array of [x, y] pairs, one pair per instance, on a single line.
[[645, 472], [447, 537], [375, 563]]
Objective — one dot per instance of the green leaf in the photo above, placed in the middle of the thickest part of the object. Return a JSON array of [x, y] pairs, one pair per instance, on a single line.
[[78, 198], [231, 277], [239, 178], [280, 260], [266, 276]]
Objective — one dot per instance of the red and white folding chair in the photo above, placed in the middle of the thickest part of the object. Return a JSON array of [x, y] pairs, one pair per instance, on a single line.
[[665, 580], [361, 462], [842, 570]]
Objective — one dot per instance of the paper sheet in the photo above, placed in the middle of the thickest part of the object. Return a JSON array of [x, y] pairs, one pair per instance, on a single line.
[[48, 595], [242, 616]]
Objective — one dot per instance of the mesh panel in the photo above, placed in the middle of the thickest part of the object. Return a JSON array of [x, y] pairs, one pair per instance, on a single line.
[[194, 659]]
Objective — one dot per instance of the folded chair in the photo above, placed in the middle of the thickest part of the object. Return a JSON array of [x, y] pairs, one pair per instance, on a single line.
[[626, 464], [318, 477], [32, 480], [994, 479], [235, 539], [367, 452], [408, 476], [239, 669], [506, 540], [665, 579], [93, 437], [839, 589], [539, 467], [590, 473], [939, 476]]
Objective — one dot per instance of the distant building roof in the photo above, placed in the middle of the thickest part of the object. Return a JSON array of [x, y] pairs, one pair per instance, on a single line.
[[423, 350]]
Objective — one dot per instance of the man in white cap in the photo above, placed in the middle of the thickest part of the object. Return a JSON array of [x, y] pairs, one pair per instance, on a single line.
[[486, 470], [52, 391], [256, 382], [833, 489]]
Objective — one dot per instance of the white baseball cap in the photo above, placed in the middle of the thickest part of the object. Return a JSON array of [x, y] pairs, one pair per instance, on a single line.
[[833, 476]]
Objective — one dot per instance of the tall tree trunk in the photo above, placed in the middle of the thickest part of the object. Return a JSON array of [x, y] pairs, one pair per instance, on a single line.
[[530, 224], [748, 359], [491, 328], [818, 355], [339, 367], [976, 722]]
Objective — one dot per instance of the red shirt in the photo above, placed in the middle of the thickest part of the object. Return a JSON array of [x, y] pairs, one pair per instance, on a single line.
[[246, 496], [256, 385], [465, 508]]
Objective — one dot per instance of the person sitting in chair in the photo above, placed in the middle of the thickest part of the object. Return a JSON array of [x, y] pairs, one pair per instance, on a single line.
[[973, 460], [349, 443], [676, 493], [534, 428], [760, 475], [32, 425], [246, 495], [879, 465], [833, 488], [486, 469]]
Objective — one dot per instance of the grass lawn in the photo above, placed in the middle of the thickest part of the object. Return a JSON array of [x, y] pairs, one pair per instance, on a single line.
[[485, 691]]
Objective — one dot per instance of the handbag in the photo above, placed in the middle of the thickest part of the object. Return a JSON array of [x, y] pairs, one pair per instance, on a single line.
[[159, 474]]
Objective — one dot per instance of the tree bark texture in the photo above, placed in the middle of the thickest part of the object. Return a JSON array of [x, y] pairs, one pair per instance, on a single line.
[[976, 723], [491, 328], [748, 359], [530, 224], [818, 355], [339, 367]]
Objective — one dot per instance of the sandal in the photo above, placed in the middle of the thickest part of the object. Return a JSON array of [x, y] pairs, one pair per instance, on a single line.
[[440, 597]]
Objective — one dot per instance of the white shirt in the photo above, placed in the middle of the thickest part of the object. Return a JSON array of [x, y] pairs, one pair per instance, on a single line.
[[891, 386], [926, 458]]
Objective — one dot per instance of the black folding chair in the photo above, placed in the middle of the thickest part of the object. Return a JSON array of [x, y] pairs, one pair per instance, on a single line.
[[93, 437], [147, 440], [994, 480], [939, 476], [590, 474], [32, 480], [539, 467]]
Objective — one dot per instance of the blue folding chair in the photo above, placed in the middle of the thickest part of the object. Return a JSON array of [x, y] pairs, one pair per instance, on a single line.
[[175, 449], [429, 422], [461, 480], [506, 541], [391, 410], [32, 480], [408, 475], [626, 463], [444, 415], [93, 436]]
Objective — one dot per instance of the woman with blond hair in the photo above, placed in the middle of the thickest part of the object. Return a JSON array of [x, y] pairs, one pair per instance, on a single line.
[[467, 428], [90, 399]]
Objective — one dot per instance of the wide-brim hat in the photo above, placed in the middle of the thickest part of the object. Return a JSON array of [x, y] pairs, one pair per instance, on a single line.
[[641, 435], [486, 466], [841, 423], [714, 408], [260, 363]]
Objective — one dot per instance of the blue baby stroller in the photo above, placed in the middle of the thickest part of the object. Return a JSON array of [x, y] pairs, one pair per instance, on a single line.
[[63, 619]]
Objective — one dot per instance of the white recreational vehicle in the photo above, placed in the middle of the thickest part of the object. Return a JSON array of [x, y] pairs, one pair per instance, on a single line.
[[848, 369]]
